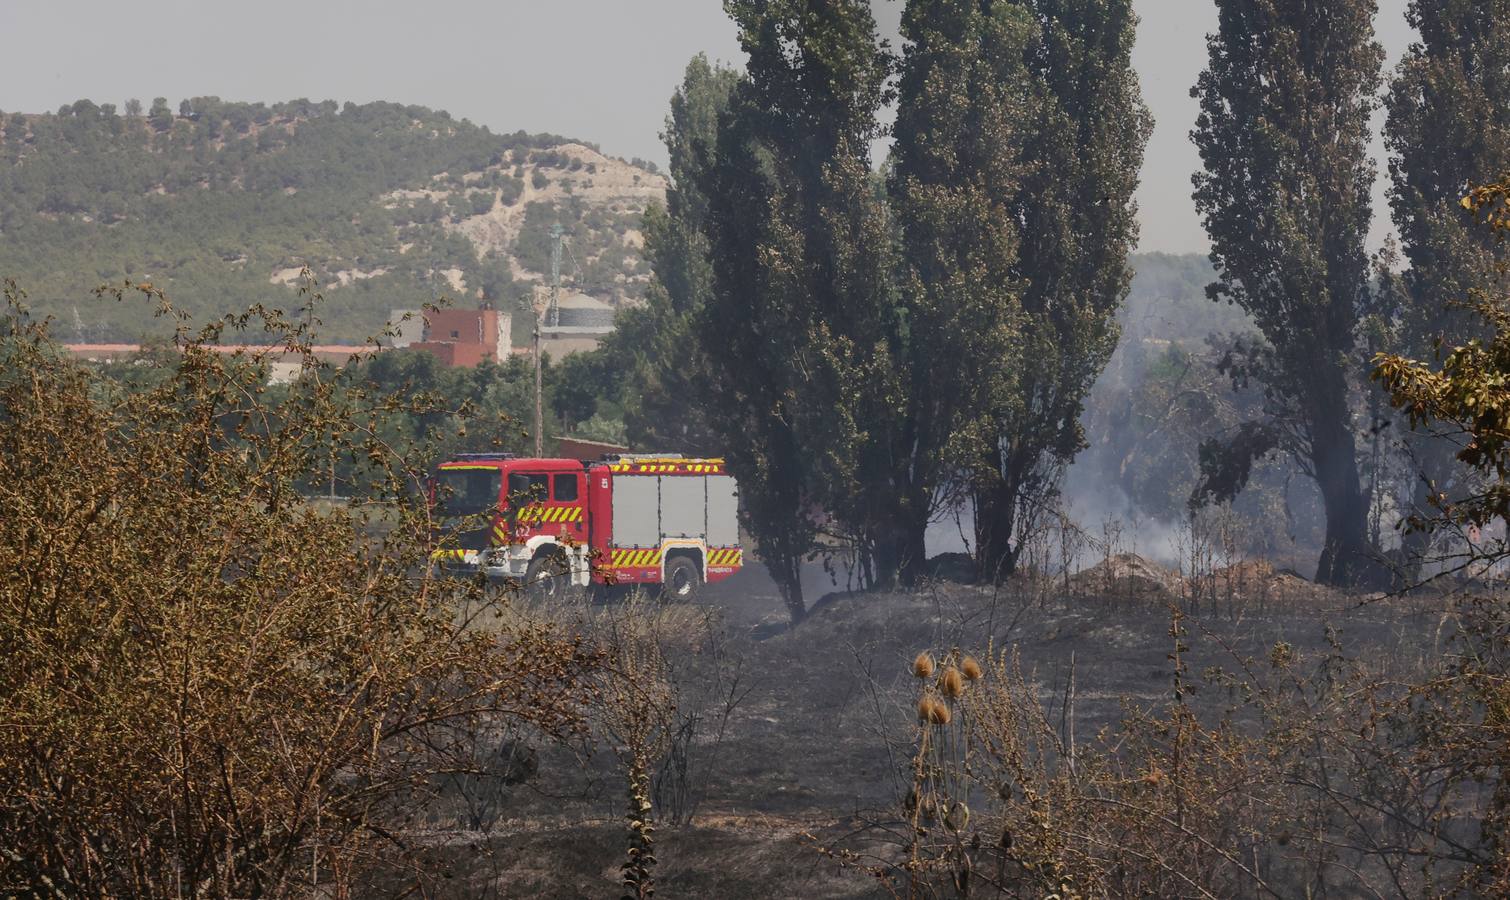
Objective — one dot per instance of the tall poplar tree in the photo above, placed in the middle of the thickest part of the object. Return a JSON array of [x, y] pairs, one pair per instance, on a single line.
[[665, 408], [964, 98], [1448, 129], [1283, 132], [800, 325], [1081, 148]]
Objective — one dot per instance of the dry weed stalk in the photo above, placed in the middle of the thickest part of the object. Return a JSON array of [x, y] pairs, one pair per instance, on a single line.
[[1157, 815], [1325, 771], [638, 705]]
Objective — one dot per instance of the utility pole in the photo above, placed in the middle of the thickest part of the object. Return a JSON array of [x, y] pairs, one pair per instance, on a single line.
[[554, 315]]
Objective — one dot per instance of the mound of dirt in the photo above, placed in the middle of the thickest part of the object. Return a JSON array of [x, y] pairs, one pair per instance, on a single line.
[[956, 567], [1256, 581], [1129, 576]]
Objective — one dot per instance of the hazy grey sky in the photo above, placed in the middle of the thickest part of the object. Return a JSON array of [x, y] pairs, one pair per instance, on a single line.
[[598, 70]]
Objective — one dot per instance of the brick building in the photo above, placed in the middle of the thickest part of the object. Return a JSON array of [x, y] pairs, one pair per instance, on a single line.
[[466, 337]]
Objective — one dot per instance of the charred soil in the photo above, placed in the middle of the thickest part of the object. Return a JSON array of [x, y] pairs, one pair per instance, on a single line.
[[814, 747]]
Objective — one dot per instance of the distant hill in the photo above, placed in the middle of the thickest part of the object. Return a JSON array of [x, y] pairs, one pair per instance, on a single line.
[[223, 203]]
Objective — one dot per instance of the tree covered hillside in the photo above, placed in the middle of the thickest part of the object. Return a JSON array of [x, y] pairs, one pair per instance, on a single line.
[[223, 203]]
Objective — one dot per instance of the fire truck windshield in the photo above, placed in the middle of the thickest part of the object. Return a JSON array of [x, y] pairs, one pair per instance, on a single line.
[[466, 492]]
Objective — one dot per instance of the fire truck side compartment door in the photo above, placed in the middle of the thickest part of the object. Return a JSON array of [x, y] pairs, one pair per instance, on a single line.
[[723, 511], [682, 506], [636, 511]]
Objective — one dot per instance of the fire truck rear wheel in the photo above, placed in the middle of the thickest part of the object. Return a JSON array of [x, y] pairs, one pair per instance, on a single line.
[[684, 580]]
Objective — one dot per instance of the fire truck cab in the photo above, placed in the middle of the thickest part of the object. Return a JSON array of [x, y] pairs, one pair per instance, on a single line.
[[655, 519]]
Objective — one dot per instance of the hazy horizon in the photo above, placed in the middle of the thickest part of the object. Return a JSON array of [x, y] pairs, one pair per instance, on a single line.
[[589, 69]]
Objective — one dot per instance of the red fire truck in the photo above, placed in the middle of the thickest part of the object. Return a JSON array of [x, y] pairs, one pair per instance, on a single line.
[[555, 523]]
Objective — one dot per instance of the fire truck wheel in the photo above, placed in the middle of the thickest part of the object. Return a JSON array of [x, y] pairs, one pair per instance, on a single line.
[[544, 580], [684, 581]]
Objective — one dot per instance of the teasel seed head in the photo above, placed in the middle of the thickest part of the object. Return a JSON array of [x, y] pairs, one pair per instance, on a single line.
[[932, 712], [971, 668], [925, 709], [922, 667], [952, 683]]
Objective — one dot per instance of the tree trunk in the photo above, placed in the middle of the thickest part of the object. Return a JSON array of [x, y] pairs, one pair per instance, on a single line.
[[1347, 557], [910, 550], [786, 571], [899, 552], [1437, 469], [995, 523]]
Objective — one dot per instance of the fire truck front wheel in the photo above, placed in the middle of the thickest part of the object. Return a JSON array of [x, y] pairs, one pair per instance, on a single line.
[[546, 579], [684, 580]]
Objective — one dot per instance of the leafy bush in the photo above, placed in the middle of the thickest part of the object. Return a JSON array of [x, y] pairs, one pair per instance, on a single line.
[[209, 685]]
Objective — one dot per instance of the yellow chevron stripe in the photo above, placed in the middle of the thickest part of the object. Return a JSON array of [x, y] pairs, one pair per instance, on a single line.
[[724, 556]]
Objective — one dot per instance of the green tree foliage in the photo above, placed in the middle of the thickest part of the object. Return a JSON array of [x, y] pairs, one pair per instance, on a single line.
[[797, 328], [964, 99], [1283, 133], [898, 334], [490, 400], [655, 342], [214, 204], [1469, 393], [1448, 128], [1080, 149]]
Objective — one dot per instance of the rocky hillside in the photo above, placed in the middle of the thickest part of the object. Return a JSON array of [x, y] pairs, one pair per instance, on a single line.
[[224, 204]]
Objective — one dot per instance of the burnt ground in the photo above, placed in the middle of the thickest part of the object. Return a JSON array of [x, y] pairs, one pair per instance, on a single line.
[[818, 746]]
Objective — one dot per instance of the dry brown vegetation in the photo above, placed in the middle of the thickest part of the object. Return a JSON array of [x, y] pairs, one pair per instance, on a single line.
[[209, 687], [212, 687]]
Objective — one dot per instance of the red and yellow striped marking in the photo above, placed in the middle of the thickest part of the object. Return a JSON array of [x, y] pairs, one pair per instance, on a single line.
[[668, 467], [724, 556], [641, 558], [635, 559], [549, 515]]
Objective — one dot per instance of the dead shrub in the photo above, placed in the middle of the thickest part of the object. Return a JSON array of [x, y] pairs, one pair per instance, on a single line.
[[209, 687]]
